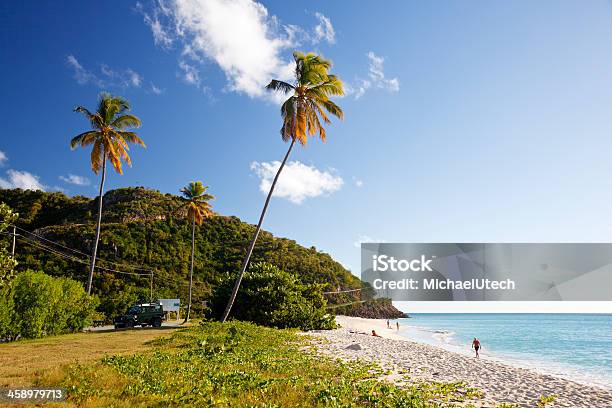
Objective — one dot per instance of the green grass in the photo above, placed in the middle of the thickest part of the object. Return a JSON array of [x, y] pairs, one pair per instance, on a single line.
[[26, 363], [240, 364]]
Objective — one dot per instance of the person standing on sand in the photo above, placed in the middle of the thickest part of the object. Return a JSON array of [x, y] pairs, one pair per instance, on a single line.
[[476, 346], [397, 324], [388, 325]]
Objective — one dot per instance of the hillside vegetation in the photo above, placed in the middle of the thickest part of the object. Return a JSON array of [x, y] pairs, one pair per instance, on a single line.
[[140, 228]]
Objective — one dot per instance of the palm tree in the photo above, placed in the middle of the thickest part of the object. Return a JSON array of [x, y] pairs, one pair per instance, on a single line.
[[110, 138], [309, 101], [197, 208]]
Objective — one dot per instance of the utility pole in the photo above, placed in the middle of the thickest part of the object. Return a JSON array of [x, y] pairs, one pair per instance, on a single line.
[[14, 238], [151, 286]]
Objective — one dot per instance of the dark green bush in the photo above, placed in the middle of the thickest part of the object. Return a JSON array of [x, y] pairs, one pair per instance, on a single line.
[[37, 305], [272, 297]]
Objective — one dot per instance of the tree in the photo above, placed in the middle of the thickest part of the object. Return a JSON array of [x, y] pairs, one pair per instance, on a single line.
[[109, 139], [272, 297], [302, 114], [7, 261], [197, 208]]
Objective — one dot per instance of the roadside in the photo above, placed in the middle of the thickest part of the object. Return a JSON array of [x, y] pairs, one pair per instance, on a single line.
[[173, 324]]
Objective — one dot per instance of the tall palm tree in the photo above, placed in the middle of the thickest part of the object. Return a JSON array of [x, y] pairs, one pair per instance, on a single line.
[[197, 208], [309, 101], [109, 137]]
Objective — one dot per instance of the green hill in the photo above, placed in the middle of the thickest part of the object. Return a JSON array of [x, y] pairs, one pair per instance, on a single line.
[[140, 229]]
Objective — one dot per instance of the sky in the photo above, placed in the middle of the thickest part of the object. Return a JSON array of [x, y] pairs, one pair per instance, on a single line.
[[464, 121]]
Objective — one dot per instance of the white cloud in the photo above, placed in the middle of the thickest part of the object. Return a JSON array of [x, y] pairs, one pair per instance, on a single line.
[[364, 239], [21, 179], [376, 78], [160, 35], [76, 180], [81, 75], [107, 77], [3, 158], [156, 90], [324, 30], [297, 181], [358, 182], [190, 74], [240, 36]]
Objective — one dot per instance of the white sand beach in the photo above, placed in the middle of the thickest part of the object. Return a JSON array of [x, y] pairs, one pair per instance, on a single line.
[[410, 361]]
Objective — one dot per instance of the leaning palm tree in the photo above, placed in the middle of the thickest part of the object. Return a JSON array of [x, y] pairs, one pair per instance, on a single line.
[[109, 137], [302, 114], [196, 207]]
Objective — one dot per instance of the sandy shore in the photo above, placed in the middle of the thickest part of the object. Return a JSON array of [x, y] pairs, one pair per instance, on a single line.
[[411, 361]]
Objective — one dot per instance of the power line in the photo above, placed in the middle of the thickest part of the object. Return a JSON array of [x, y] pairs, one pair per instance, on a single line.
[[52, 242], [80, 252], [75, 259], [342, 291]]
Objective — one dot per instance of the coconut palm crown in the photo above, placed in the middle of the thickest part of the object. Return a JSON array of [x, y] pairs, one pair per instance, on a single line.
[[109, 135], [196, 204], [307, 106]]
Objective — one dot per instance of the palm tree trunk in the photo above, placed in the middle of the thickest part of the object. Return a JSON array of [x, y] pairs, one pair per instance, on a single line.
[[95, 248], [245, 262], [191, 269]]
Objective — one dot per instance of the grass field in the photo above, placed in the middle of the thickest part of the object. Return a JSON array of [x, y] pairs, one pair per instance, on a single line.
[[23, 363], [213, 364]]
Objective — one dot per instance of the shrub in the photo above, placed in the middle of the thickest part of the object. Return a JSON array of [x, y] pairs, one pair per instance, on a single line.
[[38, 304], [272, 297], [6, 314], [7, 262]]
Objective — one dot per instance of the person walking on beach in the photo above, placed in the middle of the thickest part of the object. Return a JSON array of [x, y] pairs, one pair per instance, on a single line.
[[388, 325], [397, 324], [476, 346]]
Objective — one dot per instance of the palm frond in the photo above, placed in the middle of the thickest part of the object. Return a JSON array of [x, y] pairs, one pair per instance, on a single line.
[[113, 156], [317, 108], [122, 151], [94, 119], [125, 122], [97, 153], [332, 87], [301, 118], [84, 139], [333, 109], [288, 114], [276, 85], [132, 137]]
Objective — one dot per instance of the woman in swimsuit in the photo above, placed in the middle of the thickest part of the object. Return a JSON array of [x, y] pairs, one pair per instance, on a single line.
[[476, 346]]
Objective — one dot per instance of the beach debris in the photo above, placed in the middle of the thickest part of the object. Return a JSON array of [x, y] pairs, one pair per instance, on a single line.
[[354, 346]]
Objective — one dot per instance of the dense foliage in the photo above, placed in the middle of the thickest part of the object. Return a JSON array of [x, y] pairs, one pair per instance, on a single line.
[[35, 305], [275, 298], [7, 262], [140, 228], [241, 364]]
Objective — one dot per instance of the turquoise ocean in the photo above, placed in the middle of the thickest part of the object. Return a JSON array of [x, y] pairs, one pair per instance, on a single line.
[[572, 346]]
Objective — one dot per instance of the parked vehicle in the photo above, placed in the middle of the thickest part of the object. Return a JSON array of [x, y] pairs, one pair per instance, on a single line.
[[141, 314]]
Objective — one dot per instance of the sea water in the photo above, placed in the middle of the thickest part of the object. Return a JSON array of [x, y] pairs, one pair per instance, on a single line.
[[572, 346]]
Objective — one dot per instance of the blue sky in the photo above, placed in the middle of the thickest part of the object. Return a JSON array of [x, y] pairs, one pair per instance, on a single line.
[[465, 121]]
